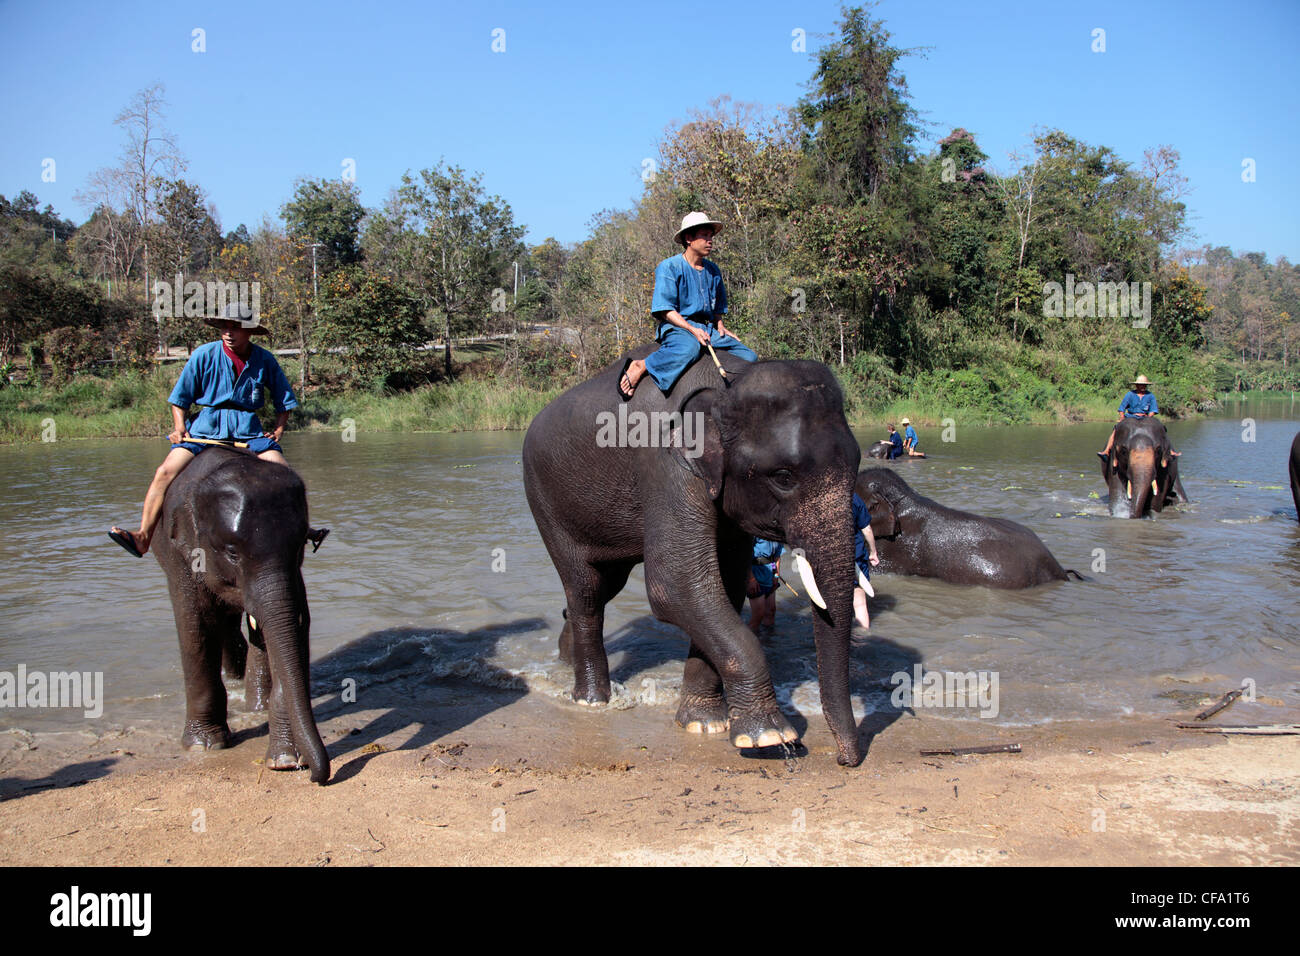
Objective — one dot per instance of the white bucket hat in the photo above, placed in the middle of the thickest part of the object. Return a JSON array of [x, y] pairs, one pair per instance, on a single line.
[[693, 219], [1142, 380]]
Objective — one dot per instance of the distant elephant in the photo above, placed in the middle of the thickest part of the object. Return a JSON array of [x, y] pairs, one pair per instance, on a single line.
[[881, 448], [685, 485], [234, 528], [1141, 469], [1294, 468], [915, 535]]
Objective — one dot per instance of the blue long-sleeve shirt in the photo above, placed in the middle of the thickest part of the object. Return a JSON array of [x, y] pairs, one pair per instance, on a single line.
[[697, 294], [1135, 404], [228, 404]]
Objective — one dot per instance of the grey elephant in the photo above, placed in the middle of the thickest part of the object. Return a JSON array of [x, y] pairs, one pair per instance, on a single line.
[[916, 535], [683, 482], [234, 529], [1141, 470]]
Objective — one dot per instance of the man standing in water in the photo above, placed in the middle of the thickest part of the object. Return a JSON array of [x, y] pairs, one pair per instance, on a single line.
[[689, 302], [226, 379]]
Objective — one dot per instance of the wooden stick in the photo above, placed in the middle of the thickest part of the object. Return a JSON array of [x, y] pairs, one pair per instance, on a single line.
[[1263, 730], [721, 371], [963, 751], [1223, 703], [229, 443]]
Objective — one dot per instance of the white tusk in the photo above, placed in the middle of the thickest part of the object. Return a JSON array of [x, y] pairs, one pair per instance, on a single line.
[[1129, 489], [252, 622], [865, 584], [809, 583]]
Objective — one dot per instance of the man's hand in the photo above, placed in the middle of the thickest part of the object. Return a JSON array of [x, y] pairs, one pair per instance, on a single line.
[[875, 559], [751, 586], [275, 434], [700, 335], [179, 435], [723, 330]]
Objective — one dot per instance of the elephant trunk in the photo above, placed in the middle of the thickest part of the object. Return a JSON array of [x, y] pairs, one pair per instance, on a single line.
[[1141, 473], [826, 540], [280, 607]]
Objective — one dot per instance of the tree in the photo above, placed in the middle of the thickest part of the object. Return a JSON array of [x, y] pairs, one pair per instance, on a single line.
[[374, 319], [451, 243], [323, 221], [149, 158], [859, 127]]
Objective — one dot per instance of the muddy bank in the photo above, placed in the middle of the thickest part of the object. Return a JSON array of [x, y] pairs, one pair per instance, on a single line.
[[537, 781]]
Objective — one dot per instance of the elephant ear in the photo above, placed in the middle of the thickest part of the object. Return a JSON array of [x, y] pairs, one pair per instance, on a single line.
[[695, 441], [884, 520]]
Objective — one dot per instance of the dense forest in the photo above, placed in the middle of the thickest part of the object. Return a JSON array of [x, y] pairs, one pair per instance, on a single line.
[[931, 277]]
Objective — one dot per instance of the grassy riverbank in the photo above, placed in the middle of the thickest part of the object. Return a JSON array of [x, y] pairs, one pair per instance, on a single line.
[[136, 405]]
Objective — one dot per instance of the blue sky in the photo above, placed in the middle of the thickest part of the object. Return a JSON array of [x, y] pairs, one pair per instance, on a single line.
[[560, 122]]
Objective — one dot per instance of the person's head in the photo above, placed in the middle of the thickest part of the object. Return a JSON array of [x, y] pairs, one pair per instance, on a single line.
[[1141, 384], [237, 325], [233, 334], [697, 232], [891, 428], [906, 421]]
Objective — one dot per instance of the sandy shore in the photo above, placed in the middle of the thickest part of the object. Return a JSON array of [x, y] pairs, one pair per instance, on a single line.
[[531, 780]]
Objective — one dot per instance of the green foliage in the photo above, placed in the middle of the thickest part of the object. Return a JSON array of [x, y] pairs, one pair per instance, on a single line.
[[374, 319], [71, 350], [327, 211]]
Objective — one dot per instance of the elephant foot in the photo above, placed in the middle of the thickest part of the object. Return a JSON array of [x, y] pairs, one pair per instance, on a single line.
[[203, 736], [283, 758], [761, 730], [584, 702], [703, 715]]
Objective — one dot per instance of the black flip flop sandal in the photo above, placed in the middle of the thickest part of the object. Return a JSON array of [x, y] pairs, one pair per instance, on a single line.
[[127, 540], [625, 396]]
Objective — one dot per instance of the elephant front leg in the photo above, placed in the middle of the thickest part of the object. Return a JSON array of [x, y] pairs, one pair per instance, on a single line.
[[203, 635], [703, 707], [723, 651], [281, 752], [257, 671]]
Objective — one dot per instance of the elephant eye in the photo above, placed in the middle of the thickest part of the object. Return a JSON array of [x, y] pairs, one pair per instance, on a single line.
[[783, 479], [232, 552]]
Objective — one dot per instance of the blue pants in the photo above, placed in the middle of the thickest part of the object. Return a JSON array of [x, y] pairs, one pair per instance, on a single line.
[[255, 445], [678, 349]]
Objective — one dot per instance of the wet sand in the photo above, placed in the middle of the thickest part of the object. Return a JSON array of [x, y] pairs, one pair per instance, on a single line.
[[533, 780]]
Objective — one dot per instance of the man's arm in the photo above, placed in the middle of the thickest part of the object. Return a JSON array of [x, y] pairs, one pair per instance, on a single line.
[[871, 545], [179, 433]]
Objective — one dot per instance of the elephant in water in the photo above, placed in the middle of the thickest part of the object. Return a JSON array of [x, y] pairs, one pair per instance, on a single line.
[[1141, 470], [1294, 468], [234, 528], [915, 535], [684, 482]]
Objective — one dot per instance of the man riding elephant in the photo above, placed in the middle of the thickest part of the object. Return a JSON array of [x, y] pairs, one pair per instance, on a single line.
[[688, 303]]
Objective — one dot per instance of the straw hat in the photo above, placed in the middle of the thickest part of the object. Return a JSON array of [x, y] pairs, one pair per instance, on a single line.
[[237, 312], [694, 219], [1142, 380], [905, 421]]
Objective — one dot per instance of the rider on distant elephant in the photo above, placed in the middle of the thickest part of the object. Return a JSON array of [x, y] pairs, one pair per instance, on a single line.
[[1138, 402]]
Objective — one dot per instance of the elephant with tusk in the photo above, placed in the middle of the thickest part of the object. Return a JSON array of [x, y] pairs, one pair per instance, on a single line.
[[683, 482]]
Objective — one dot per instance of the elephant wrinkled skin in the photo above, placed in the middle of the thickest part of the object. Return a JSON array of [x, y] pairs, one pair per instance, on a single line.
[[234, 530], [772, 457], [916, 535]]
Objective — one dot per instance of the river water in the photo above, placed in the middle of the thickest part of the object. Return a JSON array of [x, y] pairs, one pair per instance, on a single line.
[[435, 570]]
